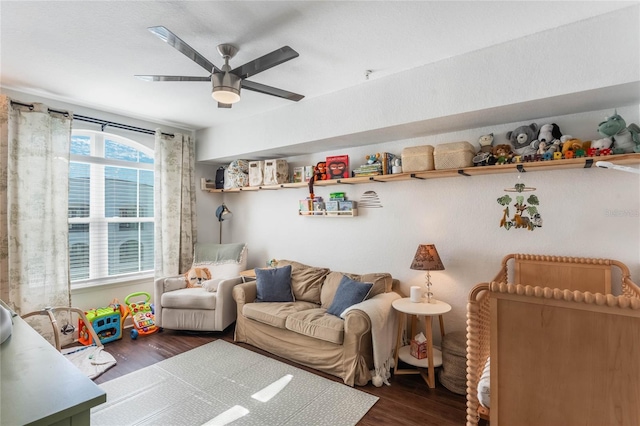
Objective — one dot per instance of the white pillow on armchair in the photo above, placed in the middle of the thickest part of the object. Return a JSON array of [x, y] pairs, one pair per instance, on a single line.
[[212, 285]]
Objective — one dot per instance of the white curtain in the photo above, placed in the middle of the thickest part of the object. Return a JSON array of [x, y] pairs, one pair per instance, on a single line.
[[175, 204], [34, 175]]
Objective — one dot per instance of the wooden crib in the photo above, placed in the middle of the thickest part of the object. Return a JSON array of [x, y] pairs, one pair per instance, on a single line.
[[564, 350]]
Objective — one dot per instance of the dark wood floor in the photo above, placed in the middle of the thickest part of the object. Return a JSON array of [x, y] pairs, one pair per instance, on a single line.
[[408, 401]]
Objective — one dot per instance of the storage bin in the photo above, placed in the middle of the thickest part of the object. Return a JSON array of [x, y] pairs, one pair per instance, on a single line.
[[453, 374], [256, 173], [453, 155], [417, 158], [276, 172]]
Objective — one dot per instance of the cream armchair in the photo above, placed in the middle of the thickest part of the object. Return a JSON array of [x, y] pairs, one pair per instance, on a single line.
[[207, 308]]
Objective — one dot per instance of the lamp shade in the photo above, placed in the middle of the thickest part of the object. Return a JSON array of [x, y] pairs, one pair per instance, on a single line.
[[223, 213], [427, 259], [226, 87]]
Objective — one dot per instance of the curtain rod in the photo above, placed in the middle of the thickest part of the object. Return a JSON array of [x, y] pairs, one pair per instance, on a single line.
[[101, 122]]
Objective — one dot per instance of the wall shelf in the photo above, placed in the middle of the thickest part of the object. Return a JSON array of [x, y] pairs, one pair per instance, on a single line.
[[573, 163], [324, 213]]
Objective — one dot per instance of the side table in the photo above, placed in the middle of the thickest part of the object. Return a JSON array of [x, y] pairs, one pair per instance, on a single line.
[[248, 275], [425, 366]]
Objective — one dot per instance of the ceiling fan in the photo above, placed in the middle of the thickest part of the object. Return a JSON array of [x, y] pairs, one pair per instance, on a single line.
[[226, 82]]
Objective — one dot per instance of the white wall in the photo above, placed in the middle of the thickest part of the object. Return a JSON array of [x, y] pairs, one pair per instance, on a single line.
[[591, 213]]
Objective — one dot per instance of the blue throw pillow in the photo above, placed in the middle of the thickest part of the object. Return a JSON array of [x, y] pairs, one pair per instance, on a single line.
[[274, 284], [348, 294]]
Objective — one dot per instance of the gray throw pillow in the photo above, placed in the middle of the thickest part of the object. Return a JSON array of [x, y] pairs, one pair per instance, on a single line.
[[348, 294], [274, 284]]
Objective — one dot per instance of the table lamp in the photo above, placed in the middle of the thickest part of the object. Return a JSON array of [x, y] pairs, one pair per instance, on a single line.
[[427, 259]]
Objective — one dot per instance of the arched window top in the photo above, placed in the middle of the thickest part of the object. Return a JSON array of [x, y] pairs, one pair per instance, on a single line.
[[93, 143]]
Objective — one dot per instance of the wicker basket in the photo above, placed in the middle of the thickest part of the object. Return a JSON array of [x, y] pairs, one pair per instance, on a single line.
[[453, 375], [417, 158], [454, 155]]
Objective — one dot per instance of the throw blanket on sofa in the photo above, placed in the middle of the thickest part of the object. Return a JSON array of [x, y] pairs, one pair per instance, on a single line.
[[384, 324]]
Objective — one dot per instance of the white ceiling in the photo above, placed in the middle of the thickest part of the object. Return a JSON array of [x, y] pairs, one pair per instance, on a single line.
[[87, 52]]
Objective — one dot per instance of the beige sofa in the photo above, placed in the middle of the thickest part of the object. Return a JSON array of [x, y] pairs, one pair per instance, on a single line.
[[302, 331]]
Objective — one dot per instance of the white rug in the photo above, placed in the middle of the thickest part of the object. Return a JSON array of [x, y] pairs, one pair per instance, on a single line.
[[221, 383]]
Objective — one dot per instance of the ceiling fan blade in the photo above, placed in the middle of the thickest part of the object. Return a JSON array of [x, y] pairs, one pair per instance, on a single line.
[[265, 62], [171, 78], [174, 41], [268, 90], [221, 105]]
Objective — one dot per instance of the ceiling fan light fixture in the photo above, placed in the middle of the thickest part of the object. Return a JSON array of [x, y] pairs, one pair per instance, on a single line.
[[226, 87]]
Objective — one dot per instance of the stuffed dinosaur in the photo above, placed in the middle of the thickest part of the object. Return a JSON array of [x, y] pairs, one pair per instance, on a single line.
[[625, 138]]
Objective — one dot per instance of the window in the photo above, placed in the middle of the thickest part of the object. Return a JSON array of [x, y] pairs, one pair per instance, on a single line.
[[111, 222]]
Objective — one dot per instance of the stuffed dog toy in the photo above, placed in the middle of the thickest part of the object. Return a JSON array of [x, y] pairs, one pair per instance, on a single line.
[[195, 277]]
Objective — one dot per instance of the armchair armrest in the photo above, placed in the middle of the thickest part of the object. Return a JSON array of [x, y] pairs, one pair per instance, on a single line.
[[163, 285]]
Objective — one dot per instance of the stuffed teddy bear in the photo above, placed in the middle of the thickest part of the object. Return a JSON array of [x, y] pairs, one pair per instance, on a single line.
[[523, 139], [625, 138], [196, 276]]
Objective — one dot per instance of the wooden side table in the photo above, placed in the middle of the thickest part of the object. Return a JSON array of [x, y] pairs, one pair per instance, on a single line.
[[425, 366], [248, 274]]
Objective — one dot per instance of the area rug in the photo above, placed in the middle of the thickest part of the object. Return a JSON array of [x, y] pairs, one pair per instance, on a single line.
[[220, 383]]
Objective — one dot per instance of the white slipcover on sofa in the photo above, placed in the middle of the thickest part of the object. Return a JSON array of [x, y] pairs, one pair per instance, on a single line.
[[207, 308]]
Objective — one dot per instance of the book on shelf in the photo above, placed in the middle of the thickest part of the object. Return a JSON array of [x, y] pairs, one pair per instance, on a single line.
[[386, 159], [338, 166]]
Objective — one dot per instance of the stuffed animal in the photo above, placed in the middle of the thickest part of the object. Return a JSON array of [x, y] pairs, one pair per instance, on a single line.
[[482, 157], [196, 276], [625, 138], [569, 143], [601, 143], [320, 171], [373, 158], [549, 138], [522, 139], [502, 153], [486, 142]]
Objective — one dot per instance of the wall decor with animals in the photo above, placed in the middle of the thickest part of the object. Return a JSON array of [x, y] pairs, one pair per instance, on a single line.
[[526, 215]]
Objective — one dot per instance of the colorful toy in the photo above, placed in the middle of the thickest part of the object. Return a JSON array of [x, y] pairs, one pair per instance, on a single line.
[[107, 323], [142, 315]]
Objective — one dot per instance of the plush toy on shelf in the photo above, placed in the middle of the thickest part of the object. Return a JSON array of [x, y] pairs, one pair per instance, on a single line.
[[501, 154], [486, 148], [548, 138], [373, 158], [625, 138], [523, 139]]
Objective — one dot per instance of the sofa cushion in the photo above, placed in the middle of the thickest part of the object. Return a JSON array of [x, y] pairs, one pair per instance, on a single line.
[[318, 324], [274, 313], [382, 283], [330, 286], [348, 294], [189, 298], [274, 284], [306, 281]]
